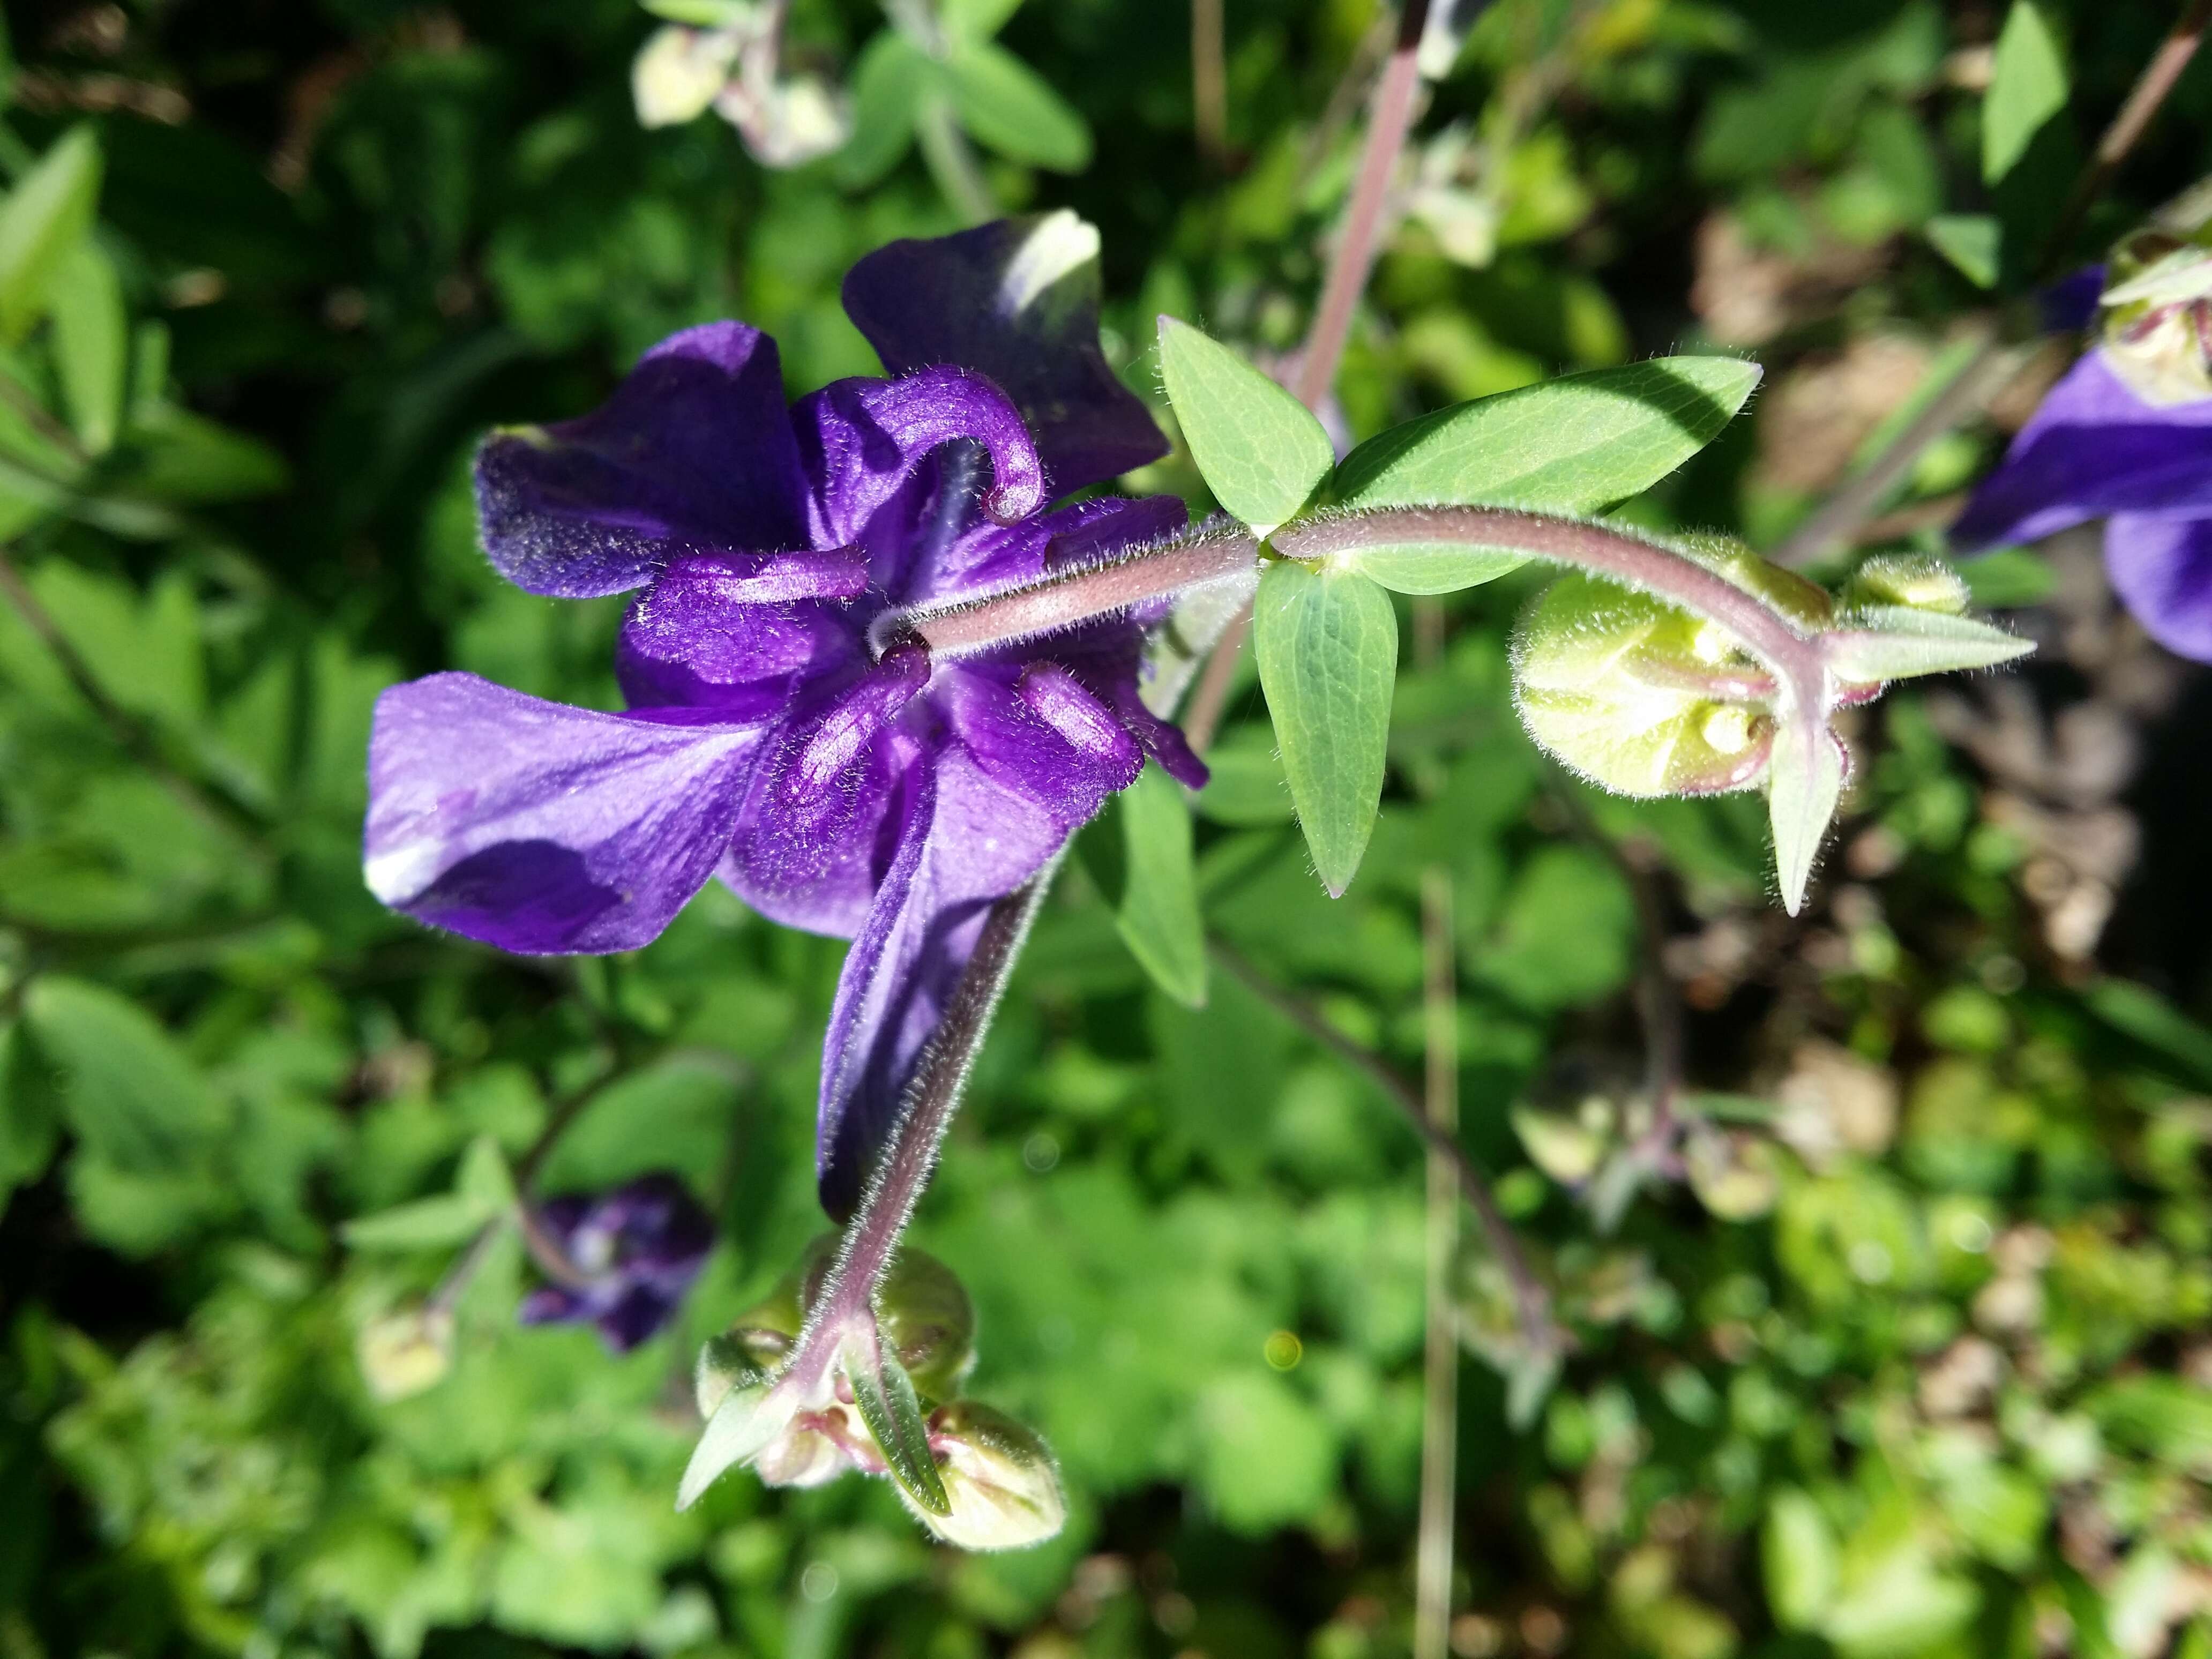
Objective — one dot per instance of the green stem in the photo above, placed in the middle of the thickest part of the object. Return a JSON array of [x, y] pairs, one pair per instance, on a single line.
[[952, 161]]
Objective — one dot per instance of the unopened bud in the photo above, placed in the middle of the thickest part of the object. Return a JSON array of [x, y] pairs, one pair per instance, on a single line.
[[680, 72], [406, 1352], [1919, 581], [999, 1476], [2155, 318], [922, 1311], [1734, 1175]]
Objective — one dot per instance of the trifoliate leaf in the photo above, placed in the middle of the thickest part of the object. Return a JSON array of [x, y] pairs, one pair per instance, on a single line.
[[1328, 647], [1571, 445], [1261, 452]]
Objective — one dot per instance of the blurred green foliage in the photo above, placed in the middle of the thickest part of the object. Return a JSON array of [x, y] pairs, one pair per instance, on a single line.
[[1914, 1361]]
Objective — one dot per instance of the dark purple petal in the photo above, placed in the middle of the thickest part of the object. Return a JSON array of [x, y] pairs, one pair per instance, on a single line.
[[2092, 449], [963, 841], [1038, 731], [2068, 303], [2162, 568], [550, 1304], [812, 843], [543, 829], [637, 1249], [861, 441], [694, 452], [684, 645], [1016, 299], [639, 1312]]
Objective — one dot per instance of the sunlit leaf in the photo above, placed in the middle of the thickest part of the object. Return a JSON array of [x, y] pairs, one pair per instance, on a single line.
[[2027, 87], [1261, 450]]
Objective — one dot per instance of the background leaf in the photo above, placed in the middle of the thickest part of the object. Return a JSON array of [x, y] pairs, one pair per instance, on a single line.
[[44, 218], [1002, 102], [2027, 87], [1158, 913]]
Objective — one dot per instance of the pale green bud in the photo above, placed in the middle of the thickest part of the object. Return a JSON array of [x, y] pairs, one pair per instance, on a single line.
[[1647, 699], [1568, 1146], [1919, 581], [2155, 318], [1735, 1176], [999, 1476], [680, 72], [405, 1351]]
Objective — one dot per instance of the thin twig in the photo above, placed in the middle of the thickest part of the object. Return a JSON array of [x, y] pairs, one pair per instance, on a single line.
[[1432, 1552], [2151, 90], [1349, 267], [1837, 520], [1209, 83], [1530, 1294]]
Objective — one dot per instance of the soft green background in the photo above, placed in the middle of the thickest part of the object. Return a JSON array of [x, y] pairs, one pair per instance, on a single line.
[[1926, 1372]]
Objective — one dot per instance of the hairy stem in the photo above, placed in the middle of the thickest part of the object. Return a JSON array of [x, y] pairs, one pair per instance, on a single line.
[[1795, 659], [1531, 1298], [2151, 90], [1067, 598], [870, 1243]]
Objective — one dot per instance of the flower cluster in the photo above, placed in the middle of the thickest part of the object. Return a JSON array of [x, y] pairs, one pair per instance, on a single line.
[[787, 730], [622, 1260]]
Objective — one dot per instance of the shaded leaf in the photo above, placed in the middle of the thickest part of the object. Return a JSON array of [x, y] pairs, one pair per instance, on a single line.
[[1158, 914]]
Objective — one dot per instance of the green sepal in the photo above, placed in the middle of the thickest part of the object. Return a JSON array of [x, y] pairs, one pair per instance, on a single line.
[[742, 1427], [1804, 782], [1894, 642], [892, 1411]]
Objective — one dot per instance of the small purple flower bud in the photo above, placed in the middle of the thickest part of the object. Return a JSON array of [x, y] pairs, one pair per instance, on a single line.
[[628, 1257]]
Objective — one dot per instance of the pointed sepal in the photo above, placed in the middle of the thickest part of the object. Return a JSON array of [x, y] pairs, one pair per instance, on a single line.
[[892, 1412], [1804, 784], [1878, 643]]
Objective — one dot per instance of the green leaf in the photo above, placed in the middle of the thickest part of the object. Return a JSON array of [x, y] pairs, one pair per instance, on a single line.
[[44, 218], [1012, 109], [1261, 450], [1158, 917], [2027, 87], [1797, 1550], [1433, 566], [1572, 445], [2139, 1013], [1894, 642], [888, 83], [1974, 242], [29, 1125], [1328, 647], [1804, 783], [92, 343], [700, 14], [974, 20], [889, 1405], [483, 1191], [742, 1427], [1245, 789], [127, 1089]]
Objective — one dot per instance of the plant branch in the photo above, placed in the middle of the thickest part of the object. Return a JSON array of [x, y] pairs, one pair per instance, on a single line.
[[870, 1243], [952, 161], [1530, 1297], [1209, 83], [2151, 90]]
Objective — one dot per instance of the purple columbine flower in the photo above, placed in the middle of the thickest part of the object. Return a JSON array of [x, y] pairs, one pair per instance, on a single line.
[[2096, 450], [634, 1253], [783, 731]]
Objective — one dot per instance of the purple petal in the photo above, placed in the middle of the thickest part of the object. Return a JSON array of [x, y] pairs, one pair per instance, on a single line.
[[543, 829], [638, 1312], [550, 1304], [861, 442], [693, 452], [812, 841], [2162, 568], [685, 645], [2068, 303], [2092, 450], [963, 841], [1016, 299], [1039, 733]]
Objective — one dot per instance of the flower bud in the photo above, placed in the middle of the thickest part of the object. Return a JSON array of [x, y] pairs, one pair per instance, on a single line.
[[999, 1476], [679, 72], [1646, 699], [406, 1352], [1733, 1174], [1917, 581], [2154, 317], [922, 1311]]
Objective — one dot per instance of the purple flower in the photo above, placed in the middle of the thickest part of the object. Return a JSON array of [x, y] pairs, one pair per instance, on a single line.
[[634, 1253], [781, 732], [2096, 450]]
